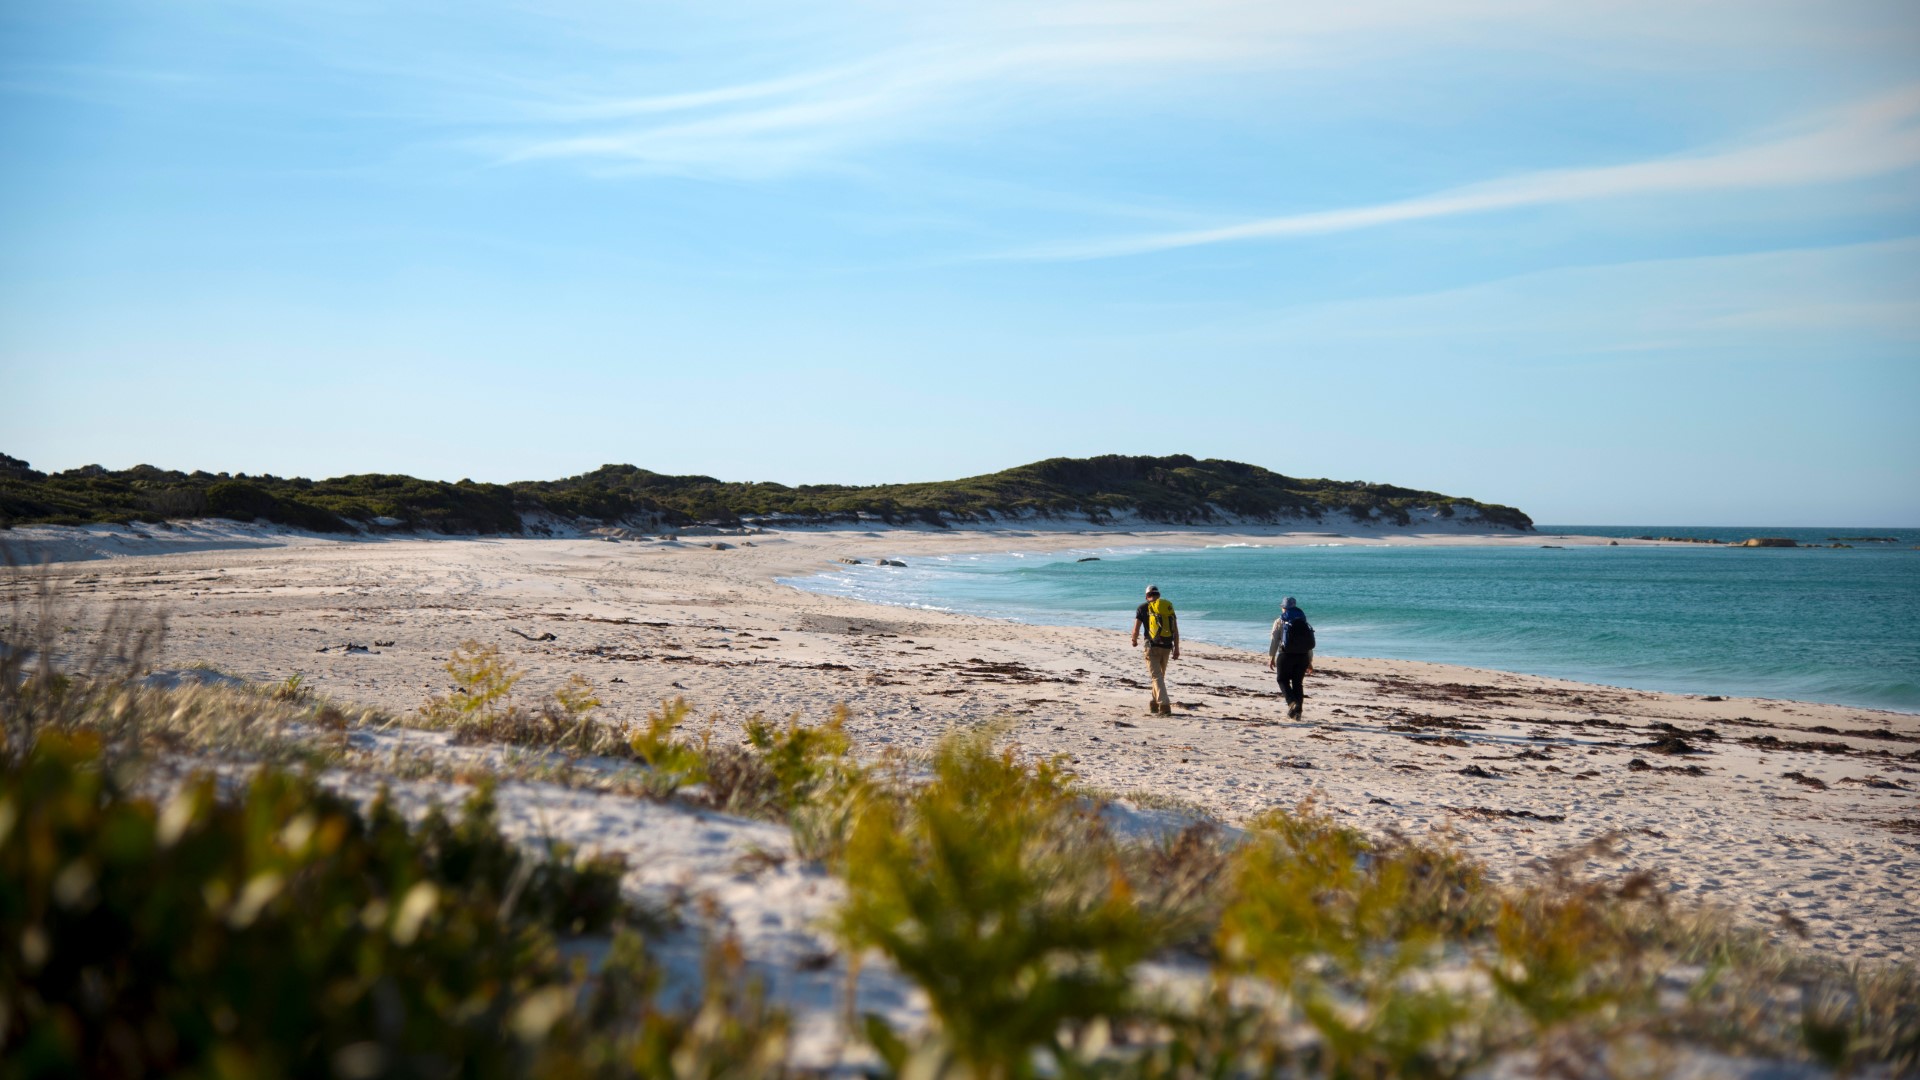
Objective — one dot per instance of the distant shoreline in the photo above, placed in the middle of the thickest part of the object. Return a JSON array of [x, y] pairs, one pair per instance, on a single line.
[[33, 544]]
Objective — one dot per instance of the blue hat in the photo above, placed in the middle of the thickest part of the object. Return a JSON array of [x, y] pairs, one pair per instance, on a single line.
[[1288, 602]]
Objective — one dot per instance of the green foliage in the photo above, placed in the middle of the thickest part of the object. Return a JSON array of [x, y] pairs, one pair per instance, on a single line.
[[804, 758], [1863, 1014], [1343, 925], [246, 501], [1174, 489], [671, 763], [483, 683], [273, 930], [1308, 889], [732, 1034], [279, 933], [291, 689], [480, 707], [820, 786], [1214, 1039], [1559, 957], [578, 698], [146, 494], [1181, 878], [562, 892], [994, 890]]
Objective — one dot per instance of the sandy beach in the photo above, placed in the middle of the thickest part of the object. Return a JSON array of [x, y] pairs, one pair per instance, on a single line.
[[1796, 816]]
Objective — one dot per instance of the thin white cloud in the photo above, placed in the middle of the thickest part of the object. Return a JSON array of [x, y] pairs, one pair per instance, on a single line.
[[1748, 302], [951, 68], [1870, 138], [748, 130], [952, 73], [619, 108]]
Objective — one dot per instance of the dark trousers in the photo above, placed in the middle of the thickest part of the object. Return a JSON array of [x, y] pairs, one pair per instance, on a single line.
[[1293, 675]]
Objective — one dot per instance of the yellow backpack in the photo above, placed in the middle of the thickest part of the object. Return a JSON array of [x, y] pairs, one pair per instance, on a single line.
[[1160, 622]]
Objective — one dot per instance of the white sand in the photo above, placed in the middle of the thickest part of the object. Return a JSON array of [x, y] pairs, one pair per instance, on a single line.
[[1383, 744]]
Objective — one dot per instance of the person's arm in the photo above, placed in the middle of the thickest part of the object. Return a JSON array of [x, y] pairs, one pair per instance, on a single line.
[[1273, 644], [1175, 620], [1133, 639]]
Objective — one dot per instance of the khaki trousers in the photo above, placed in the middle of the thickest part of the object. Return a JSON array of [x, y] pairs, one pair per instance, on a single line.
[[1157, 674]]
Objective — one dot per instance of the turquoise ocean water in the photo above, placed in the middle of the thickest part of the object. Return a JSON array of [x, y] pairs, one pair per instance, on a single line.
[[1838, 626]]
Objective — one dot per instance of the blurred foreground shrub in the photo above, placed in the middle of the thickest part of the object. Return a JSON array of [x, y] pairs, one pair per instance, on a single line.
[[995, 890], [280, 932], [1343, 926]]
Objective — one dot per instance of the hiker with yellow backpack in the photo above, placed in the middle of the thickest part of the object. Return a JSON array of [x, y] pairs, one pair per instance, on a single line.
[[1155, 616]]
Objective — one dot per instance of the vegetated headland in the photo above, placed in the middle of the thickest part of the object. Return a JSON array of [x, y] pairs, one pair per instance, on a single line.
[[1108, 489]]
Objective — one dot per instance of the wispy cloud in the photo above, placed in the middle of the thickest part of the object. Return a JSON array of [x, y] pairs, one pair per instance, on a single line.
[[942, 71], [1814, 303], [624, 108], [1870, 138]]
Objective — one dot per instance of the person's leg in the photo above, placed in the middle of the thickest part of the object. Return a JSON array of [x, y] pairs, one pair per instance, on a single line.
[[1157, 675], [1293, 680]]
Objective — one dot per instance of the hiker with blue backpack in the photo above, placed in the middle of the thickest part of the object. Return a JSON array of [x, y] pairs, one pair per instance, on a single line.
[[1290, 652]]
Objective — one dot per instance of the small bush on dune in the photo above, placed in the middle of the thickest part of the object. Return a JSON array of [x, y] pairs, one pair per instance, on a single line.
[[804, 759], [481, 708], [1306, 887], [1560, 958], [291, 689], [483, 684], [820, 784], [795, 773], [1342, 926], [995, 891], [671, 762]]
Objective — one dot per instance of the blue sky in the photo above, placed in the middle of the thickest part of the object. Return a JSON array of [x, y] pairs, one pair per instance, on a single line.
[[1619, 262]]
